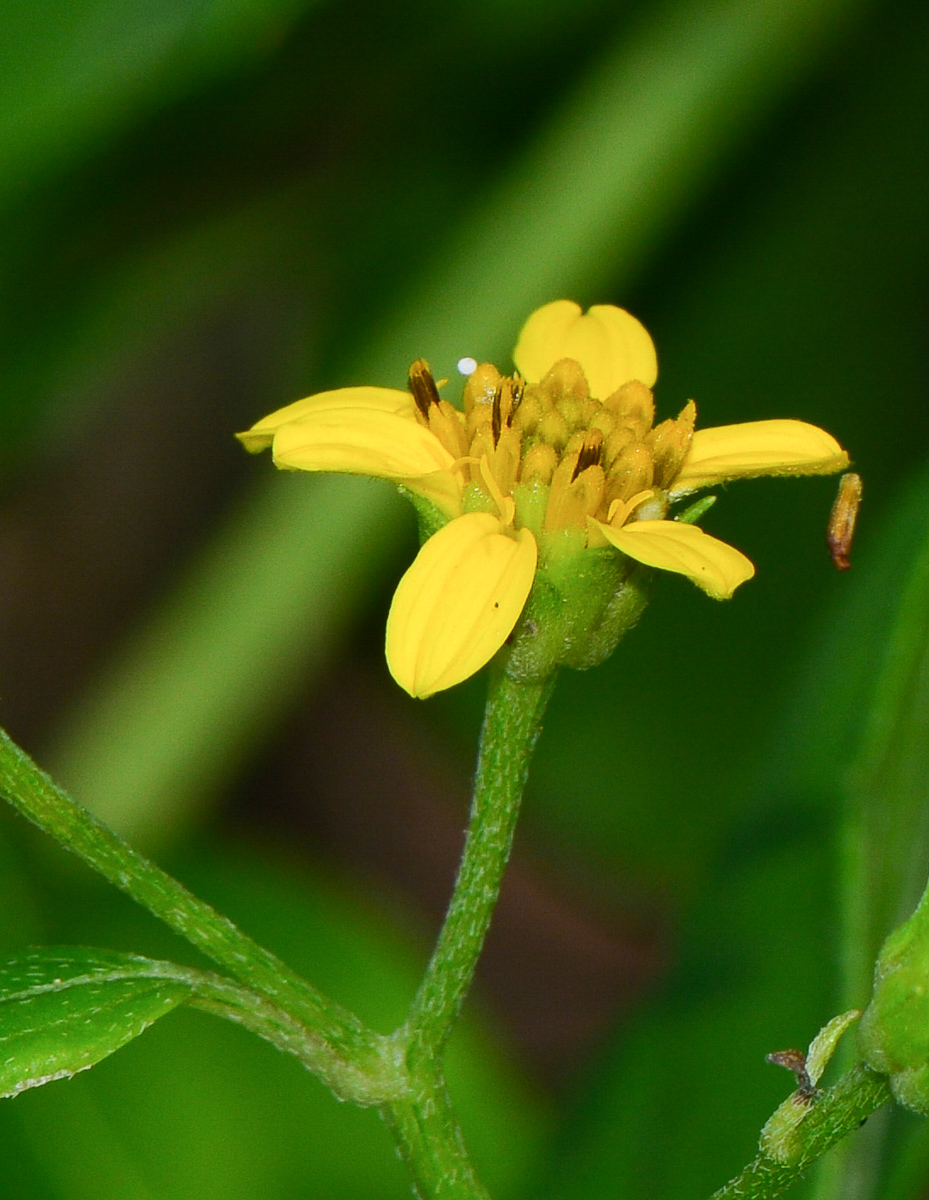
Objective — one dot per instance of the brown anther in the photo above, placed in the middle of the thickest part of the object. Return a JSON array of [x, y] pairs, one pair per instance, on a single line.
[[422, 384], [842, 520], [496, 413], [795, 1060], [517, 389], [589, 453]]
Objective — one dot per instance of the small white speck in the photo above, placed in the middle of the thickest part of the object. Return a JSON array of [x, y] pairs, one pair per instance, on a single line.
[[467, 365]]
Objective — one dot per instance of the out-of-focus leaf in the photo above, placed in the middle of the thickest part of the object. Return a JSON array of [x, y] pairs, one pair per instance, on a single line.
[[853, 735], [63, 349], [72, 74], [64, 1010], [858, 731], [192, 693], [905, 1164], [858, 734], [612, 174], [676, 1107], [20, 920], [885, 790]]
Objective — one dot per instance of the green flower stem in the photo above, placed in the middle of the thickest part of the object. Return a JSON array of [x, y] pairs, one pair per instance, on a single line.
[[423, 1123], [345, 1054], [835, 1113], [512, 723], [430, 1142]]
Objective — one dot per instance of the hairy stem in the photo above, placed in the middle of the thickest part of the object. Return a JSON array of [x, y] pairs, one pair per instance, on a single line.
[[512, 723], [837, 1112], [423, 1122], [430, 1142]]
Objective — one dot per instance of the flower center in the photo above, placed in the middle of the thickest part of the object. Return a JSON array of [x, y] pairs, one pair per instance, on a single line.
[[558, 454]]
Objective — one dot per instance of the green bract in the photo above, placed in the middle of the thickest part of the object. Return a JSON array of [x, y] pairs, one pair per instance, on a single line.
[[894, 1031]]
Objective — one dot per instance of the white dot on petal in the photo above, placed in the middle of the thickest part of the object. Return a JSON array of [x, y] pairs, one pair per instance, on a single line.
[[467, 365]]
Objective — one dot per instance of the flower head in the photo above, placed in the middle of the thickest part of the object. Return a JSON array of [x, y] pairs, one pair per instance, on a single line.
[[558, 460]]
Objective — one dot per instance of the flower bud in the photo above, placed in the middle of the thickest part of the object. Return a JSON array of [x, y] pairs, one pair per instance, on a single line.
[[566, 381], [480, 387], [669, 443], [894, 1031], [635, 405], [539, 464], [633, 472]]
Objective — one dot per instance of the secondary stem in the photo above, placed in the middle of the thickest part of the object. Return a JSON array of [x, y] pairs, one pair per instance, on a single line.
[[512, 723], [834, 1115]]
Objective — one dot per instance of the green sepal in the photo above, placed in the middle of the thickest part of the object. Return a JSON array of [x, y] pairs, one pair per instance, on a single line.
[[692, 514], [429, 517], [579, 609]]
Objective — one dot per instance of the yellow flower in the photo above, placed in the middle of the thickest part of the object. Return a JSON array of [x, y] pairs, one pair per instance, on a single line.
[[557, 459]]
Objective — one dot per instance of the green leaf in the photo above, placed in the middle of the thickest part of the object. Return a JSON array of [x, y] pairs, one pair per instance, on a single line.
[[889, 784], [199, 1110], [62, 1011], [675, 1106], [886, 838]]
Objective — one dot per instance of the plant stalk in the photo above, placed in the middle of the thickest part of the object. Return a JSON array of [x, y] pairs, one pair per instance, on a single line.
[[512, 723], [837, 1112], [423, 1122], [430, 1142]]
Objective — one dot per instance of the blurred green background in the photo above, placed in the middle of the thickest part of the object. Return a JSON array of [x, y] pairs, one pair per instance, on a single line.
[[212, 208]]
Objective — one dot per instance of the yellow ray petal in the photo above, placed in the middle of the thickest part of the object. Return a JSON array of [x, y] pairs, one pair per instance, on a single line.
[[360, 441], [458, 602], [758, 448], [609, 343], [261, 434], [714, 566]]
